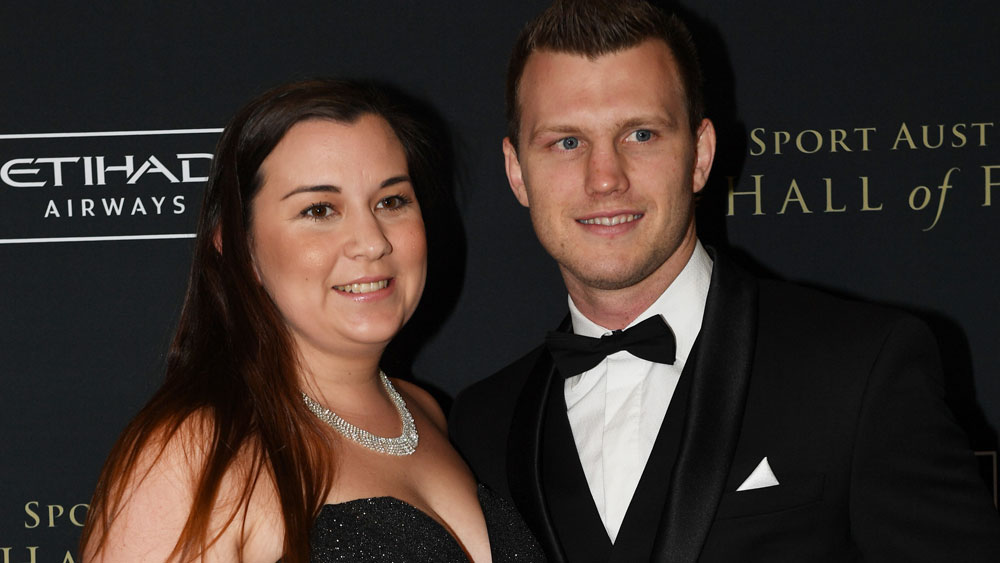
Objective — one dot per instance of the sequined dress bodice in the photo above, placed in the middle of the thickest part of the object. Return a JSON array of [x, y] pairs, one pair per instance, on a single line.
[[386, 529]]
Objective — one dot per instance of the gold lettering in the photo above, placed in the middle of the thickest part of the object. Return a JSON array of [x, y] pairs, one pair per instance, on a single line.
[[837, 137], [944, 187], [53, 515], [926, 194], [864, 196], [780, 138], [755, 137], [829, 198], [924, 128], [755, 192], [31, 554], [32, 514], [982, 131], [809, 141], [988, 173], [68, 558], [904, 133], [794, 189], [815, 134], [958, 131], [864, 136], [72, 514]]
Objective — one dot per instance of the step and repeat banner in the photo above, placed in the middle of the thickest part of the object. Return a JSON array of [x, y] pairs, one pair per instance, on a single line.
[[859, 153]]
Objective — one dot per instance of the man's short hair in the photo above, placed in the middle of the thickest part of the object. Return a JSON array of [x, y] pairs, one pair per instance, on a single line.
[[594, 28]]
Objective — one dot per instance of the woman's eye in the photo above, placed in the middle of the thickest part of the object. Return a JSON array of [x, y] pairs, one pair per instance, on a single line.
[[641, 135], [568, 143], [318, 211], [392, 202]]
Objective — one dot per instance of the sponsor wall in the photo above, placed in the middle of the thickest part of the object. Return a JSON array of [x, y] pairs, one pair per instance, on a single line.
[[858, 153]]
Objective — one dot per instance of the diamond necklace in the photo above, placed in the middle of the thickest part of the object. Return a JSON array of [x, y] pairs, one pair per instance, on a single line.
[[404, 444]]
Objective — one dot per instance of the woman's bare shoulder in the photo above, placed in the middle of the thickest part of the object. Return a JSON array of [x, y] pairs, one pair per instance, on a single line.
[[156, 498]]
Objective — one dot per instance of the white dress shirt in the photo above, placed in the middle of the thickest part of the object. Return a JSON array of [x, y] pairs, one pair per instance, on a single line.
[[615, 409]]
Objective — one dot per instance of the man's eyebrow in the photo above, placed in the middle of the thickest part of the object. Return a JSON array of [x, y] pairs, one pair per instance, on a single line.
[[557, 129], [663, 121]]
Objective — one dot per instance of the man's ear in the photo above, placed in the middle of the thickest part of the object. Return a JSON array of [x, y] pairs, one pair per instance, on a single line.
[[704, 154], [514, 177]]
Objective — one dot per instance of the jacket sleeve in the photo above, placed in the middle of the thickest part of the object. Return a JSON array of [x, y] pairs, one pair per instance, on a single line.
[[916, 494]]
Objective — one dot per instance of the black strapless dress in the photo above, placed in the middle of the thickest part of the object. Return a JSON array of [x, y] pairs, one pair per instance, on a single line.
[[386, 529]]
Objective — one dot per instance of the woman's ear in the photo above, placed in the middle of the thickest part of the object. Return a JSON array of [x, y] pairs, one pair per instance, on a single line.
[[217, 239]]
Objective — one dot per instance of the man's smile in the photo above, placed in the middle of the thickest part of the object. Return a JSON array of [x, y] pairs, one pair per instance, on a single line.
[[609, 221]]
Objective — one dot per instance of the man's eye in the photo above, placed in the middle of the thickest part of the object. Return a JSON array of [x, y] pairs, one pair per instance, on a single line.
[[642, 135], [568, 143]]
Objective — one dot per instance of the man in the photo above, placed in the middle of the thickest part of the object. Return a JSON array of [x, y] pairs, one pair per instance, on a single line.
[[769, 422]]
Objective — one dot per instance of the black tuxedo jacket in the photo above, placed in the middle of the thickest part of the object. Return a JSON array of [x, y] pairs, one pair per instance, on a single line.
[[845, 400]]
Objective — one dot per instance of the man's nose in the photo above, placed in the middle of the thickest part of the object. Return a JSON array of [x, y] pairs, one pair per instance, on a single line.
[[606, 170]]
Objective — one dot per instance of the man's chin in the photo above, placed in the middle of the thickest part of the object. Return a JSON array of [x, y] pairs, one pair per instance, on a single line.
[[606, 279]]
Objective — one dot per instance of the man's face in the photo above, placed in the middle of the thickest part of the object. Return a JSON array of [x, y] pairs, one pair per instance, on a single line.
[[608, 165]]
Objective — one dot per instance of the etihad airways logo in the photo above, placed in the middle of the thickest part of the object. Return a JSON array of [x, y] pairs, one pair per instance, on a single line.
[[98, 186], [94, 170]]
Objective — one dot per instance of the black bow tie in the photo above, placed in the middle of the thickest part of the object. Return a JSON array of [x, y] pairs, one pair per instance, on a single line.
[[651, 340]]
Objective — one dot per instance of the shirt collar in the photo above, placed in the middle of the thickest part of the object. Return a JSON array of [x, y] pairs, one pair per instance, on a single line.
[[682, 304]]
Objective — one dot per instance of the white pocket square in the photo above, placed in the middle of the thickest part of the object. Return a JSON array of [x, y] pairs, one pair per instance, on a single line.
[[760, 478]]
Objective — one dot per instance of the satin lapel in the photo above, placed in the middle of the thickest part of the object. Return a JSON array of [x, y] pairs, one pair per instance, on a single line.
[[524, 454], [715, 413]]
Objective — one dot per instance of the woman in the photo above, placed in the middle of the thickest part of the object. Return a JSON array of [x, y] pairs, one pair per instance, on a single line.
[[271, 428]]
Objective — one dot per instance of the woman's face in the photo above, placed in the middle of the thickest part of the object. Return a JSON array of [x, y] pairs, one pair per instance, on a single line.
[[337, 236]]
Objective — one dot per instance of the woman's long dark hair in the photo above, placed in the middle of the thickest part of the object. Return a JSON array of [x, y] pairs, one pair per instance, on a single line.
[[232, 364]]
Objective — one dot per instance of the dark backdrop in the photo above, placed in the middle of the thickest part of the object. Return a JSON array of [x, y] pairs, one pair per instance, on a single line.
[[839, 125]]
